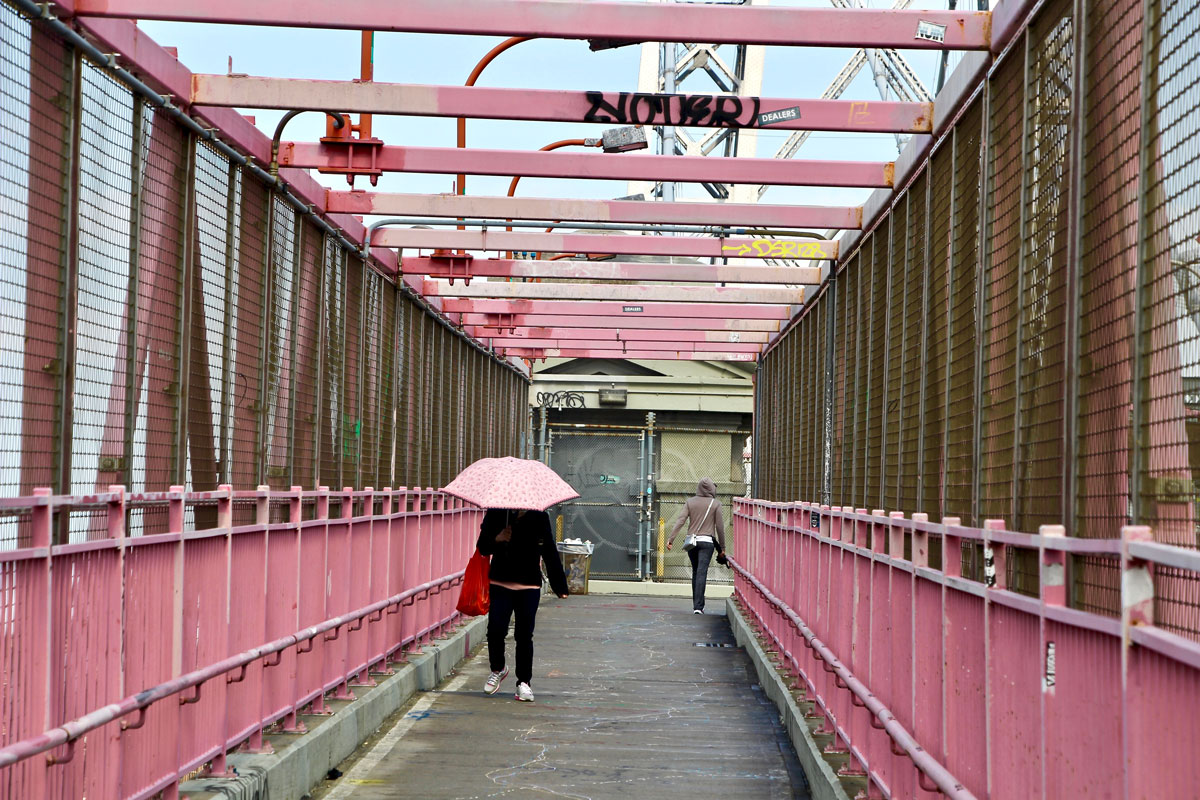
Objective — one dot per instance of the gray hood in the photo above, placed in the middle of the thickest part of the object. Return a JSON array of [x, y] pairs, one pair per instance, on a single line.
[[706, 488]]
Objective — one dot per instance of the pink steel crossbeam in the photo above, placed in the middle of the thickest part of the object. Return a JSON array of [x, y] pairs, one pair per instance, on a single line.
[[624, 293], [648, 355], [567, 19], [632, 335], [619, 108], [666, 343], [607, 244], [632, 211], [564, 318], [593, 309], [593, 166], [612, 271]]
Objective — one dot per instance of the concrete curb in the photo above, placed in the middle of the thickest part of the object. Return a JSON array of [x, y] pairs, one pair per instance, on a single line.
[[292, 771], [823, 782]]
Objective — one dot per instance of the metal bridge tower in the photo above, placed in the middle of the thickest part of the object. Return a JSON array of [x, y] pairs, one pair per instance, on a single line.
[[738, 70]]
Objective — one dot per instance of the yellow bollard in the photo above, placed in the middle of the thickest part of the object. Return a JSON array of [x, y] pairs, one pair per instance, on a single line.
[[662, 546]]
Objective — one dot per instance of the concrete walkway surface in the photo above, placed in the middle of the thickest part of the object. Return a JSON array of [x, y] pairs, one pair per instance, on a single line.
[[636, 697]]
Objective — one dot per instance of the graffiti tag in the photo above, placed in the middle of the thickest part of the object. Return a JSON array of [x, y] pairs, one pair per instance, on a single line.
[[777, 248], [698, 110]]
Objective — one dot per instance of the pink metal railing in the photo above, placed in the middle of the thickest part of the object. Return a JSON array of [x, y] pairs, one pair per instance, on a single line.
[[247, 625], [940, 682]]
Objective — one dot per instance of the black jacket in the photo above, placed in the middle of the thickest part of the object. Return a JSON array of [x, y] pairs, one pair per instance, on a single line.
[[516, 561]]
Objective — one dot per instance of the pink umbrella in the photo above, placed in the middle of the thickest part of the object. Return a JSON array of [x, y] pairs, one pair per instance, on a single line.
[[510, 483]]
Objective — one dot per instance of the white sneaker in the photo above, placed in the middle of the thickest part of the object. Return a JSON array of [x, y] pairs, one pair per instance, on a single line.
[[493, 682], [697, 611], [524, 693]]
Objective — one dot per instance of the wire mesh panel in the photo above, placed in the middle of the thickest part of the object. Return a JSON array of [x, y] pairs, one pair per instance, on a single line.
[[798, 400], [940, 176], [859, 270], [877, 370], [306, 416], [819, 379], [352, 387], [103, 294], [841, 346], [894, 377], [333, 364], [410, 358], [280, 355], [35, 150], [1000, 305], [1043, 302], [686, 457], [1169, 346], [162, 248], [248, 334], [1108, 267], [372, 311], [210, 380], [962, 401], [915, 319], [389, 333]]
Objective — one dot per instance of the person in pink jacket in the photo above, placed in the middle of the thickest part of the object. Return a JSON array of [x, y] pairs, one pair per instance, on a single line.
[[703, 515]]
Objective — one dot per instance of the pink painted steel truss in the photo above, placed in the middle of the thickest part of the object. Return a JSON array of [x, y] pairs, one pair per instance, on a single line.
[[618, 309], [609, 271], [630, 335], [616, 108], [631, 211], [589, 166], [567, 19], [666, 342], [650, 355], [605, 244], [561, 317], [621, 292]]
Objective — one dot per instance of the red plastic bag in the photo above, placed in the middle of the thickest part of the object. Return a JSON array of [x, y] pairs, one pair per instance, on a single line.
[[474, 598]]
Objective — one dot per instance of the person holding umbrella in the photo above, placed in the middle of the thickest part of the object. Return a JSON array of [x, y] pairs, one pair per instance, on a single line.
[[516, 533], [518, 541]]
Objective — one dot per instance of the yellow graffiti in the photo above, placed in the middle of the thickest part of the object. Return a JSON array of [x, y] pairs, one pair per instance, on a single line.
[[778, 248], [860, 113]]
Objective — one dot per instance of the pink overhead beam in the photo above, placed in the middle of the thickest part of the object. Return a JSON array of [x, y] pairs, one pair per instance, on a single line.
[[569, 19], [589, 166], [585, 308], [617, 271], [611, 244], [633, 336], [556, 105], [645, 355], [650, 321], [624, 293], [619, 347], [632, 211]]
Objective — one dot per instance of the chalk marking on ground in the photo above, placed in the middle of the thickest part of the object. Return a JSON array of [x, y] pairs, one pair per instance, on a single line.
[[359, 772]]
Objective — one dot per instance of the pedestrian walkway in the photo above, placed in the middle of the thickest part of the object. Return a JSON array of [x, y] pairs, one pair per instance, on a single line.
[[636, 697]]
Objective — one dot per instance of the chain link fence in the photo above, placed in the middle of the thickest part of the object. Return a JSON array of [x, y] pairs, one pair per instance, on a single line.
[[1018, 337], [172, 320]]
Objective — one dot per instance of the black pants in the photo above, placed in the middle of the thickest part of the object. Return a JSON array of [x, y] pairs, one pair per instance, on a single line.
[[700, 555], [504, 603]]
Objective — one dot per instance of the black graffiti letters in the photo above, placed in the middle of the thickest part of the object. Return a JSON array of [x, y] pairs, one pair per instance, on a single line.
[[688, 110]]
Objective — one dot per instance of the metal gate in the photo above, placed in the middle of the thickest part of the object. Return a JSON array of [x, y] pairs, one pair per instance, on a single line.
[[606, 469]]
